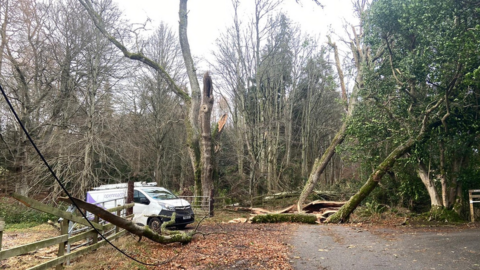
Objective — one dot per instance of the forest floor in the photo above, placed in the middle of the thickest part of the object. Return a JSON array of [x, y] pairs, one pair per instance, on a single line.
[[377, 242], [223, 245]]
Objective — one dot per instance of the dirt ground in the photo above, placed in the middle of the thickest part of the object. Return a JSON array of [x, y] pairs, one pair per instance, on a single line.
[[359, 246], [26, 236]]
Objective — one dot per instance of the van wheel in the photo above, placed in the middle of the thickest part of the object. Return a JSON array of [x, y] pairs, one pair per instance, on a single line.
[[155, 224]]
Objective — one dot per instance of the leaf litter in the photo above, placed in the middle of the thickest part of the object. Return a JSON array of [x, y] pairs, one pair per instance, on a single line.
[[226, 246]]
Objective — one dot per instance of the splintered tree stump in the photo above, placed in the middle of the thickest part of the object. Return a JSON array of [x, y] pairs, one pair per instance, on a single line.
[[317, 206]]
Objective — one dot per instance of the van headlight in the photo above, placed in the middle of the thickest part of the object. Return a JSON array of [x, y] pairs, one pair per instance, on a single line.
[[166, 206]]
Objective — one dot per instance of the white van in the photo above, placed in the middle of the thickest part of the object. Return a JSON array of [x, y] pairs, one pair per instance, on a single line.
[[153, 205]]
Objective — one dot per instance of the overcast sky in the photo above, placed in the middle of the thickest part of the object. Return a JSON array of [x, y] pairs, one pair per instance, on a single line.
[[208, 18]]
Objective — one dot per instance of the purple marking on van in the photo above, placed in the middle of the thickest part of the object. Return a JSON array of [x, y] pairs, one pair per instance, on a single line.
[[90, 199]]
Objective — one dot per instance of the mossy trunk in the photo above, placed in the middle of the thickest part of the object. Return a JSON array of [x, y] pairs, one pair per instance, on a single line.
[[346, 210], [278, 218], [194, 152]]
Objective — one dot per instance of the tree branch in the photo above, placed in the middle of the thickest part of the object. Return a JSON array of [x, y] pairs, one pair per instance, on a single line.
[[98, 21]]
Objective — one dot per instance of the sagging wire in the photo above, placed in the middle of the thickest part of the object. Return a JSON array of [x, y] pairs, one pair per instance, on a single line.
[[63, 187]]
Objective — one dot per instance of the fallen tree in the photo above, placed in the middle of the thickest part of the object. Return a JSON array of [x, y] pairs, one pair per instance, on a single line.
[[277, 218], [321, 210], [167, 236]]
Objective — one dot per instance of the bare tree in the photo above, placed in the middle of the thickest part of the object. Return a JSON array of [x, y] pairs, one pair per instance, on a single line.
[[29, 78], [361, 56], [192, 102]]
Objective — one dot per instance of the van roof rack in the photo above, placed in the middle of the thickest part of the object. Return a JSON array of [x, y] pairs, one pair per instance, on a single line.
[[125, 185]]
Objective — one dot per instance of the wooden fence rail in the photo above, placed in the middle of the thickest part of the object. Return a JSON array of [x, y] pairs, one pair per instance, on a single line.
[[64, 239]]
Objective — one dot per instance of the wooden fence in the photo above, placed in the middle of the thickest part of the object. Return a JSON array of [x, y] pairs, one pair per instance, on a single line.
[[65, 239], [473, 194]]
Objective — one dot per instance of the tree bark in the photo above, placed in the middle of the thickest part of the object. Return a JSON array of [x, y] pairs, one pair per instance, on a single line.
[[423, 173], [206, 136], [193, 136]]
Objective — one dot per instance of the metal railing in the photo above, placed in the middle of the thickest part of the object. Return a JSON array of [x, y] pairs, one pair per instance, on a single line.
[[201, 205]]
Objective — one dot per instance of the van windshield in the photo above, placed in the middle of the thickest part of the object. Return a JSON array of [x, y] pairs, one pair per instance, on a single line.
[[160, 194]]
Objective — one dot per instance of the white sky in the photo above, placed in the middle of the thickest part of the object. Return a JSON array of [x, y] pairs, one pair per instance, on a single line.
[[208, 18]]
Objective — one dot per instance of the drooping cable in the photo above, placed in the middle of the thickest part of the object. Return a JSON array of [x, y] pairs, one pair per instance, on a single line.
[[61, 184]]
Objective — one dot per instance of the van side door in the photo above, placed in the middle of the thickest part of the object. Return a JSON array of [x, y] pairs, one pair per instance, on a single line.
[[141, 202]]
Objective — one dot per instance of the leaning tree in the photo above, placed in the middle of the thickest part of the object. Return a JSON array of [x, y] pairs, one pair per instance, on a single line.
[[419, 83]]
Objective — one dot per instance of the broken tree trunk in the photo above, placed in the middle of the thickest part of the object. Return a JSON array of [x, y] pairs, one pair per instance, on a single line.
[[206, 138], [172, 236], [319, 206]]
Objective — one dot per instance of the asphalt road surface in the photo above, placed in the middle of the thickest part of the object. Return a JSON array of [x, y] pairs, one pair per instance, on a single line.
[[337, 247]]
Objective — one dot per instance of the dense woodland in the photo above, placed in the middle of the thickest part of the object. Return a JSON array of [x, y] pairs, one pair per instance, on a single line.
[[390, 111]]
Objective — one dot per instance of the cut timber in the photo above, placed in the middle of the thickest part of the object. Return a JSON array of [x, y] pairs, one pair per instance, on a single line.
[[257, 211], [282, 195], [260, 211], [329, 195], [290, 209], [238, 220], [328, 213], [316, 206], [322, 216]]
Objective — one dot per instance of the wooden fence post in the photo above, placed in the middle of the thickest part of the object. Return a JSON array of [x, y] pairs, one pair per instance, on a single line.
[[61, 246], [130, 191], [95, 238], [470, 200], [2, 227], [117, 229]]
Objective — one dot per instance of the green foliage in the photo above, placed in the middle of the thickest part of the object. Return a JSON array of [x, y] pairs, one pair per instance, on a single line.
[[346, 188], [374, 207], [414, 195], [444, 215], [430, 53], [278, 218], [16, 213], [468, 178]]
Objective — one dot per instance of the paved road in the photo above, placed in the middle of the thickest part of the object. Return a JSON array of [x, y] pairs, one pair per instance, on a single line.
[[337, 247]]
